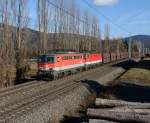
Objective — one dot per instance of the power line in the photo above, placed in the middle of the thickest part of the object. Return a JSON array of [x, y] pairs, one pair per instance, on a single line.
[[67, 12], [134, 16], [104, 16], [60, 8]]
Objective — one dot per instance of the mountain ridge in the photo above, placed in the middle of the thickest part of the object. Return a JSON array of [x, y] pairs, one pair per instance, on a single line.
[[33, 36], [145, 39]]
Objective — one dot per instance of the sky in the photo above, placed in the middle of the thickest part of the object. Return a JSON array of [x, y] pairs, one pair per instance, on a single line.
[[123, 16]]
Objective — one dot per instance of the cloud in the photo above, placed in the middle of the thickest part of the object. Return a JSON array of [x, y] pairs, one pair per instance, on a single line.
[[105, 2]]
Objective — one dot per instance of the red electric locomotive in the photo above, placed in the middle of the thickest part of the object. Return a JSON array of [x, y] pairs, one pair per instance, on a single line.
[[59, 64]]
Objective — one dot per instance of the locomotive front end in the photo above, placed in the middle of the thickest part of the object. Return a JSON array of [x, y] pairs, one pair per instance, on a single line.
[[46, 64]]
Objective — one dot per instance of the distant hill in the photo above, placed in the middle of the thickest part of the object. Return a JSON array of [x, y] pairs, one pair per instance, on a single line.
[[55, 40], [33, 36], [143, 38]]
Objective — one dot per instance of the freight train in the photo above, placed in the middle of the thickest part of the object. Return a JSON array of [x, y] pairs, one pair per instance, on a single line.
[[57, 65]]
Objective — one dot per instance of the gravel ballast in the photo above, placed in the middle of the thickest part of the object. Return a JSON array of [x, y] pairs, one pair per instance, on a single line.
[[69, 104]]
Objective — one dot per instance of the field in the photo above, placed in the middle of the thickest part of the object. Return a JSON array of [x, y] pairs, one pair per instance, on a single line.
[[139, 72]]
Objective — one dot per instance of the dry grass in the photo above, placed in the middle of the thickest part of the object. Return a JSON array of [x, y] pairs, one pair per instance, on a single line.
[[137, 74], [148, 58], [33, 69], [7, 75], [141, 72]]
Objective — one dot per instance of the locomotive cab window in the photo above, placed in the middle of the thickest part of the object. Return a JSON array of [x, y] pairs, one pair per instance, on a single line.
[[50, 59], [42, 59]]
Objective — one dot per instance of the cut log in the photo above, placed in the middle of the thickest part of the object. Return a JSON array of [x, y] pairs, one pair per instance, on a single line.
[[106, 103], [118, 115], [100, 121], [126, 110]]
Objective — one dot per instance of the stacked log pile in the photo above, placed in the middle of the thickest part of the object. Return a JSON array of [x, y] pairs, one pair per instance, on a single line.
[[116, 111]]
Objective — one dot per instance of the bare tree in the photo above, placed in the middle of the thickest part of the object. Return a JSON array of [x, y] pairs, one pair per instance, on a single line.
[[19, 41], [78, 25], [7, 46], [106, 39], [42, 12], [95, 33], [86, 31]]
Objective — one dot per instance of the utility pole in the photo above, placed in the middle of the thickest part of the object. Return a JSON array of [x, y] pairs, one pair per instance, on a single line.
[[129, 46], [140, 50], [143, 51]]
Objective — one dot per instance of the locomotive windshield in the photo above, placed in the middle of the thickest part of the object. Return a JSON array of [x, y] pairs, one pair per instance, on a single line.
[[50, 59], [42, 59], [45, 59]]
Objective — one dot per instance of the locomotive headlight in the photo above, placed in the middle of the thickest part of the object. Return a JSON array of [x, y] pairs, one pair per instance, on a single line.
[[46, 67]]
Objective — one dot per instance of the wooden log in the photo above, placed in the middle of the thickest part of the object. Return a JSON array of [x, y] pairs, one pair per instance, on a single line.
[[100, 121], [106, 103], [118, 115], [127, 109]]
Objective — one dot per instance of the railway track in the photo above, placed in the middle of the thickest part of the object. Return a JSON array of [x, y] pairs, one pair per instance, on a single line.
[[42, 97], [24, 98], [11, 90], [15, 96], [7, 91], [30, 91]]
